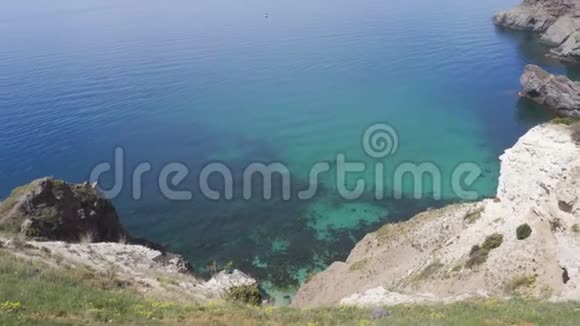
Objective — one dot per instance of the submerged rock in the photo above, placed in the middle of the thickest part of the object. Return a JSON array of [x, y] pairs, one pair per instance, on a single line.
[[557, 93]]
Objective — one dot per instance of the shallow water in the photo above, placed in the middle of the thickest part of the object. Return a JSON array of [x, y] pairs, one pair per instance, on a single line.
[[199, 81]]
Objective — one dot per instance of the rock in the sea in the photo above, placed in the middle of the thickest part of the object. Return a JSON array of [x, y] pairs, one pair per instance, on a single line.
[[557, 93], [52, 209]]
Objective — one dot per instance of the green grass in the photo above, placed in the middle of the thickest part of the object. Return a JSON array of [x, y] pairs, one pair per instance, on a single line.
[[6, 205], [34, 294]]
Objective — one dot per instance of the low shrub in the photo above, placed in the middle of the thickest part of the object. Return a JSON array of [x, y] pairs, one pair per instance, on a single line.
[[523, 231], [244, 294], [493, 241], [229, 267], [478, 254], [524, 281]]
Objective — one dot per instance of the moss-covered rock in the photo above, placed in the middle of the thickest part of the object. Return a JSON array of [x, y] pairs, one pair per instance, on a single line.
[[52, 209]]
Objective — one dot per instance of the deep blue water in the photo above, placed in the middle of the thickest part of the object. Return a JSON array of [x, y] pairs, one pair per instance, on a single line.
[[198, 81]]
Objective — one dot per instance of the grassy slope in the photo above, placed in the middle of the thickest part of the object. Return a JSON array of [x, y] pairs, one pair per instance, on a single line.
[[31, 293]]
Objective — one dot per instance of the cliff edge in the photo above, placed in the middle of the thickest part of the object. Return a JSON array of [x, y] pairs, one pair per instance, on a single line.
[[73, 227], [525, 242]]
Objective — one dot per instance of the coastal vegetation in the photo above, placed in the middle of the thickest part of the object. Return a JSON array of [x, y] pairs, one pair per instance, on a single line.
[[244, 294], [33, 293], [478, 254], [568, 121], [472, 216], [523, 231], [520, 282]]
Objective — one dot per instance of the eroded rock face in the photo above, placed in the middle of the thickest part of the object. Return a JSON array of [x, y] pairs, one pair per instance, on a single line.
[[530, 15], [559, 31], [557, 93], [557, 20], [52, 209]]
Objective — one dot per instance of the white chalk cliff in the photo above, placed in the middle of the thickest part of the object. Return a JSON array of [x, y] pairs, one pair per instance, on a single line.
[[431, 258]]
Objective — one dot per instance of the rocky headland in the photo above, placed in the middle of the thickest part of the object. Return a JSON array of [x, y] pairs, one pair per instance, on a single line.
[[557, 21], [524, 242]]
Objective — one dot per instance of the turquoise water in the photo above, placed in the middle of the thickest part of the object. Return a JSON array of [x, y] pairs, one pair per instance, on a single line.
[[198, 81]]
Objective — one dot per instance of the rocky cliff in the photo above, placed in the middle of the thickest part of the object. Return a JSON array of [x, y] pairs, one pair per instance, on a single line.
[[73, 226], [524, 242], [558, 21]]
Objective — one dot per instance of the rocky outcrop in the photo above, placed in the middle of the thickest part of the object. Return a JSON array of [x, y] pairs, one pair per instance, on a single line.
[[52, 209], [476, 249], [557, 93], [531, 15], [73, 226], [557, 20], [145, 270]]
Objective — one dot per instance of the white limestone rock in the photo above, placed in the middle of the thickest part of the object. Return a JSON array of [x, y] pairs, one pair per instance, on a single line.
[[424, 259]]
